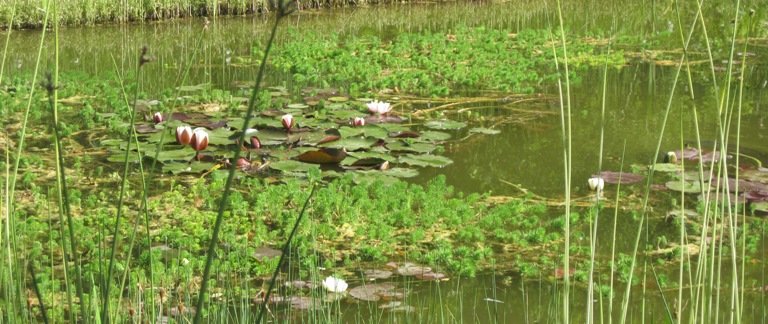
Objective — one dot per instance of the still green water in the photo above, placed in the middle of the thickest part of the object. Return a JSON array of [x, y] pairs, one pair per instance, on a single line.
[[529, 154]]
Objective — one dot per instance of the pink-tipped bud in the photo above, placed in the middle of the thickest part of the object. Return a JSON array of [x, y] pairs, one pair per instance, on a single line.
[[243, 163], [183, 135], [358, 121], [199, 139], [287, 121], [158, 118], [255, 142]]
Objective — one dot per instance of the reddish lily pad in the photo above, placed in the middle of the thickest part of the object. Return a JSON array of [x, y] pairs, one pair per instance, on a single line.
[[412, 270], [374, 274], [613, 177], [434, 276]]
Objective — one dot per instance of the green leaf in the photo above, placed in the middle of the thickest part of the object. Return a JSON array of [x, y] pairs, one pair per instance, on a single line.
[[483, 130], [445, 124], [425, 160]]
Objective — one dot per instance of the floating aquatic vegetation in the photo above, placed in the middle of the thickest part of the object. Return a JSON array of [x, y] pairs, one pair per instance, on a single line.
[[614, 177], [372, 292]]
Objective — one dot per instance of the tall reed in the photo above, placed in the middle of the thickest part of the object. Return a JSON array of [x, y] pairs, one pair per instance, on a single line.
[[283, 10]]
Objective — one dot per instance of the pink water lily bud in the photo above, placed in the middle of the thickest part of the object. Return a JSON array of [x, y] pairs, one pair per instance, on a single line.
[[183, 135], [359, 121], [157, 118], [199, 139], [243, 163], [287, 121], [255, 142], [379, 107]]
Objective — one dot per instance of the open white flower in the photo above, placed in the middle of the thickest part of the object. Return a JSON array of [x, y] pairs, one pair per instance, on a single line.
[[335, 285], [379, 107], [596, 184]]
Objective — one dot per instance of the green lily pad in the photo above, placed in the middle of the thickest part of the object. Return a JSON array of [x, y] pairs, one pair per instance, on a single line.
[[365, 177], [445, 124], [667, 167], [220, 136], [483, 130], [292, 166], [346, 131], [401, 172], [338, 99], [373, 155], [434, 136], [184, 167], [690, 187], [401, 146], [119, 156], [172, 155], [426, 160], [351, 144], [344, 114]]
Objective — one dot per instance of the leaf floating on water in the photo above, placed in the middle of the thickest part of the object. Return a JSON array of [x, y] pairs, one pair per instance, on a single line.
[[614, 177], [689, 187], [323, 156], [486, 131], [338, 99], [373, 274], [371, 292], [292, 166], [425, 160], [304, 303], [435, 136], [297, 106], [404, 134], [401, 146], [667, 167], [445, 124], [434, 276], [409, 269]]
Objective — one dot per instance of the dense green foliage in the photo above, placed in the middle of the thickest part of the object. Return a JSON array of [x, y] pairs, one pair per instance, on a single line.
[[434, 63]]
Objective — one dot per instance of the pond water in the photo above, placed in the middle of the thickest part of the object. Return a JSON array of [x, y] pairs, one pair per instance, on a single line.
[[524, 155]]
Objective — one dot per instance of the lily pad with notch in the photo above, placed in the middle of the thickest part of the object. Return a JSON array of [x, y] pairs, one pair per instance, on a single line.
[[425, 160]]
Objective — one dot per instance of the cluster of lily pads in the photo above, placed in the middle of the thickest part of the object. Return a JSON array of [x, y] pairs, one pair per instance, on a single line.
[[374, 287], [327, 131], [681, 166]]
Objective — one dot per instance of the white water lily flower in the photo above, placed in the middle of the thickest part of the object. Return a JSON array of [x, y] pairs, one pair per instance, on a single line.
[[335, 285], [287, 121], [596, 184], [379, 107]]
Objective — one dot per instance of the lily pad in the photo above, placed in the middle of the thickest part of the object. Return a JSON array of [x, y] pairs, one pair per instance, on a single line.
[[373, 274], [445, 124], [409, 269], [351, 144], [183, 167], [614, 177], [338, 99], [425, 160], [292, 166], [483, 130], [297, 106], [435, 136], [667, 167], [689, 187], [371, 292], [401, 146]]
